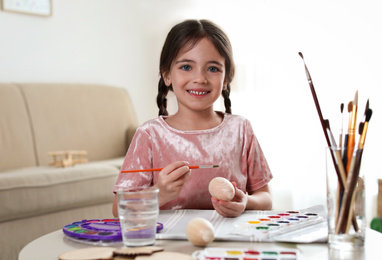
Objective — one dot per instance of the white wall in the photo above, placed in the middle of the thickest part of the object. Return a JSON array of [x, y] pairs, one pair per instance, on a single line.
[[118, 42]]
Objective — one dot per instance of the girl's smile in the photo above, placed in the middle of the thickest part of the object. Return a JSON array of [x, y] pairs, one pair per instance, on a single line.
[[197, 93]]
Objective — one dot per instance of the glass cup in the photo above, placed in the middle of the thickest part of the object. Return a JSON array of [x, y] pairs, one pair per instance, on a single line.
[[345, 200], [138, 212]]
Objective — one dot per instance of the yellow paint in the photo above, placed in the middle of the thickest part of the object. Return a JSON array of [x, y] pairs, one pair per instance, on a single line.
[[233, 252], [253, 222]]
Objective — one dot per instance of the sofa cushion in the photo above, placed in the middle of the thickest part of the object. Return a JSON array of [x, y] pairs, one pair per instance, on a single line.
[[37, 190], [96, 118], [16, 143]]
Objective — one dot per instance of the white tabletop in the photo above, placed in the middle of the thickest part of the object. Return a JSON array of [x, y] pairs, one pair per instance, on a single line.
[[53, 244]]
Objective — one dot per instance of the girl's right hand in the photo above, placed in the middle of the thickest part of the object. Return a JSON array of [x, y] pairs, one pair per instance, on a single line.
[[171, 180]]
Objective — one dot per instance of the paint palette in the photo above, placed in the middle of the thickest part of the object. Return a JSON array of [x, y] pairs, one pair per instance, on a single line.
[[244, 254], [265, 227], [97, 232]]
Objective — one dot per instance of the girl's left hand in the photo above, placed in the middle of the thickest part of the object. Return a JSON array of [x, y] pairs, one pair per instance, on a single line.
[[232, 208]]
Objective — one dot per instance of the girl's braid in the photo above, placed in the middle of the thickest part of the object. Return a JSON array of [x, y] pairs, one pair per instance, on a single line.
[[227, 100], [161, 97]]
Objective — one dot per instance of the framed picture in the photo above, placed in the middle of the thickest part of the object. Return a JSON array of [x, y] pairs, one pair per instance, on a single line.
[[36, 7]]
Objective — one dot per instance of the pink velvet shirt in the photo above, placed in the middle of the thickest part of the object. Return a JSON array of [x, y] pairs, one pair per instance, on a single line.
[[232, 145]]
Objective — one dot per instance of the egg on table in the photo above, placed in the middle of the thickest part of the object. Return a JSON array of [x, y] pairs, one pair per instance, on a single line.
[[200, 232]]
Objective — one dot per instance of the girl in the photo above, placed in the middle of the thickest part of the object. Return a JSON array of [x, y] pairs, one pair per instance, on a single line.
[[196, 64]]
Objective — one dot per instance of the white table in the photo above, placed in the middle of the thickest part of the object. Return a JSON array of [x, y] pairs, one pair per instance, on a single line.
[[50, 246]]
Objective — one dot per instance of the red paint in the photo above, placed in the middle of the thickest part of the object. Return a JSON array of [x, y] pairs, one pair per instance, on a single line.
[[252, 252]]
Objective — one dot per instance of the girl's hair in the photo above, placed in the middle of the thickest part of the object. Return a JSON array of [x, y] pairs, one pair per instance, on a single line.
[[189, 33]]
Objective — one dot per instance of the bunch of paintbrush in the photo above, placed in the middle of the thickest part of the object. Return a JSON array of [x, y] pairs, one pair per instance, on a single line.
[[353, 165], [347, 164]]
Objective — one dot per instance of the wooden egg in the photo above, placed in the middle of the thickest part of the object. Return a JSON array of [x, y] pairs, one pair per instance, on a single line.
[[221, 188], [200, 232]]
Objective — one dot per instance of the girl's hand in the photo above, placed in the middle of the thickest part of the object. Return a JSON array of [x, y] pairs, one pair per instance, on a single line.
[[232, 208], [171, 180]]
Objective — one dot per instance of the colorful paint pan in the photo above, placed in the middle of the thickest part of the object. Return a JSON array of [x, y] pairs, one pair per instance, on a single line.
[[263, 228], [283, 223], [293, 221], [273, 226], [303, 218], [254, 222], [311, 215], [274, 217], [244, 254], [284, 215]]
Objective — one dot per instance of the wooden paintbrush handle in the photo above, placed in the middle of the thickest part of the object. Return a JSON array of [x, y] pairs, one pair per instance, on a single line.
[[341, 184], [346, 207], [341, 168], [345, 152], [352, 217], [350, 151]]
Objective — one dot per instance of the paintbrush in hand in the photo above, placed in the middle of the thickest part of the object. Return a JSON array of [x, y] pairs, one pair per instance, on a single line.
[[159, 169]]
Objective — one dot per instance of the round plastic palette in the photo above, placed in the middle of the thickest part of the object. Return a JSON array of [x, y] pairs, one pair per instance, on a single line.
[[97, 231]]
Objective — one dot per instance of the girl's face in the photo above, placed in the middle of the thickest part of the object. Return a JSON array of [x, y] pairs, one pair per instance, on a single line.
[[197, 77]]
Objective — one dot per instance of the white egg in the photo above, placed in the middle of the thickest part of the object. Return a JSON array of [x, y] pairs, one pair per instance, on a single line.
[[200, 232], [221, 188]]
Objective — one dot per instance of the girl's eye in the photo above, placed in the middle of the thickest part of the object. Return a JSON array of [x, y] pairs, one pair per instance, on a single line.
[[186, 67], [213, 69]]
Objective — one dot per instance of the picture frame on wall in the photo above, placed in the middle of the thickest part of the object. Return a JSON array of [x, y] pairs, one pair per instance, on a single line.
[[34, 7]]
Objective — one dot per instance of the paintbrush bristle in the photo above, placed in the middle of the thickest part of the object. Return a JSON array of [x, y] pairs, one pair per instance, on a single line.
[[368, 114], [327, 124], [301, 55], [367, 105], [350, 106], [215, 166], [355, 102], [360, 128], [342, 107]]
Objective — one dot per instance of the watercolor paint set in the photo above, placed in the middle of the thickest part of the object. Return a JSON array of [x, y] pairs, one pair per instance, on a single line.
[[244, 254], [296, 226], [98, 231], [266, 226]]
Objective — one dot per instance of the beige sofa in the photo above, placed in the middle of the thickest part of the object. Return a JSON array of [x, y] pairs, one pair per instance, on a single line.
[[35, 119]]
